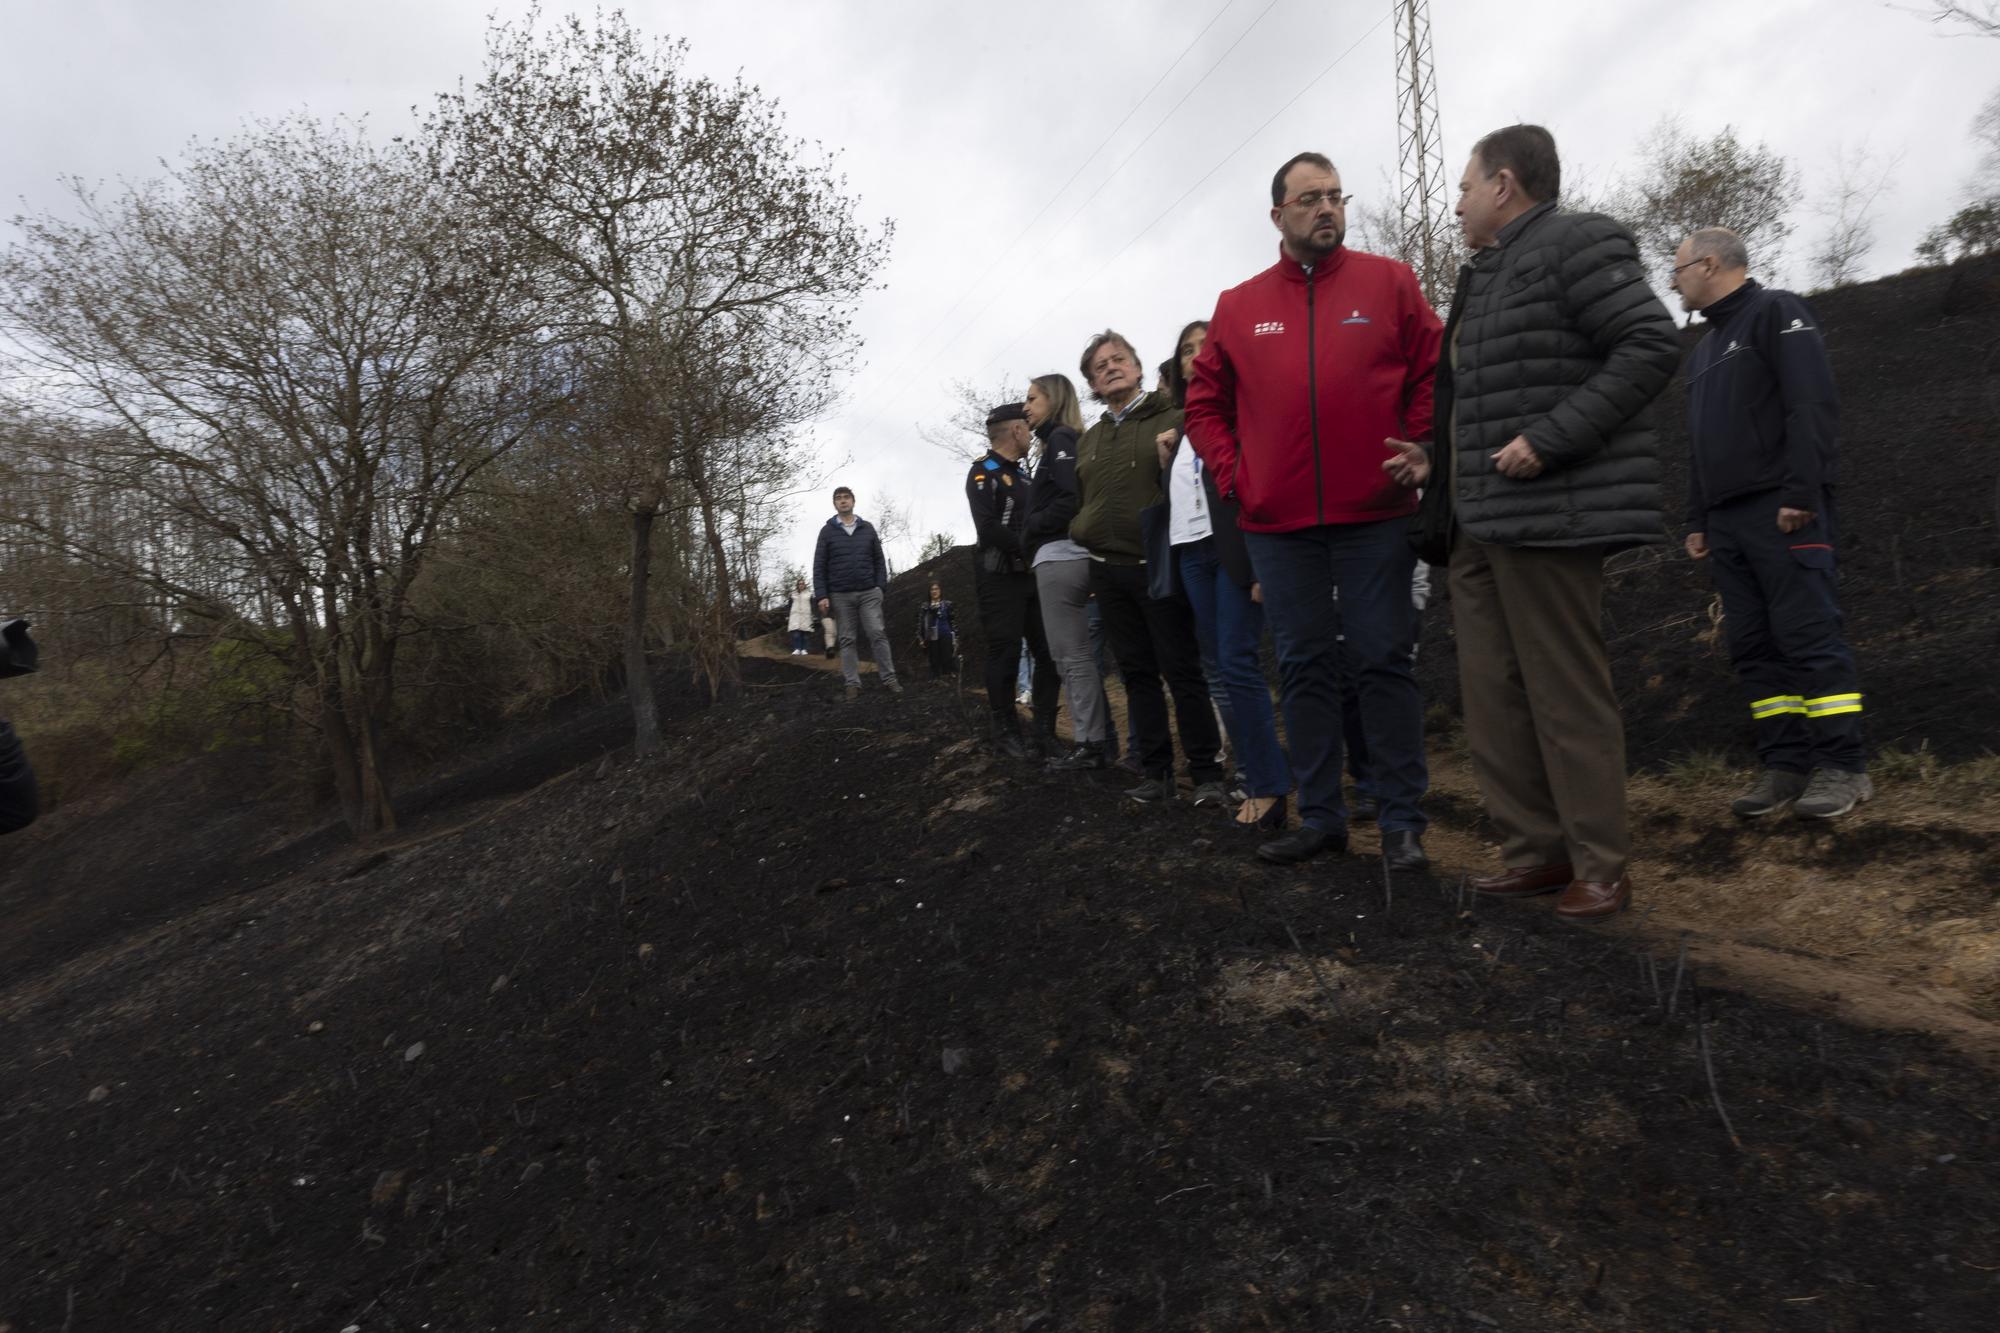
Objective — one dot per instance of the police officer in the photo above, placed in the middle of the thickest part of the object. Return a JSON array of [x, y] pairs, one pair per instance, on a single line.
[[996, 490], [1763, 419]]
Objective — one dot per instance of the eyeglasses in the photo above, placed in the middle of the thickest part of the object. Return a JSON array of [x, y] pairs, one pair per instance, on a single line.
[[1691, 263], [1312, 199]]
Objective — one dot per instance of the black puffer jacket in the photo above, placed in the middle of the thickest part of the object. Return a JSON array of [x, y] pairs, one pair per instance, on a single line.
[[846, 561], [1052, 499], [1556, 335]]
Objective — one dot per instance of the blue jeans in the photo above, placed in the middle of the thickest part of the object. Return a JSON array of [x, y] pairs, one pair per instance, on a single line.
[[798, 640], [1370, 565], [1230, 627]]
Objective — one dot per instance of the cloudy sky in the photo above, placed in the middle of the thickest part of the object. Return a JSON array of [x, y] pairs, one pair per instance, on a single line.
[[1053, 168]]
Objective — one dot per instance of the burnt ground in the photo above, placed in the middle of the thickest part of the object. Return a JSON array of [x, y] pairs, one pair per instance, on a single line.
[[823, 1020]]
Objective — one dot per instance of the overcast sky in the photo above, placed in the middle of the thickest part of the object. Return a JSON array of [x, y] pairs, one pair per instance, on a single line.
[[967, 123]]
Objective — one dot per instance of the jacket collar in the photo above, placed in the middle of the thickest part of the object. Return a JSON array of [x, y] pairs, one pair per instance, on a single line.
[[1728, 306], [1150, 403], [859, 523], [1293, 270], [1522, 223], [1002, 459]]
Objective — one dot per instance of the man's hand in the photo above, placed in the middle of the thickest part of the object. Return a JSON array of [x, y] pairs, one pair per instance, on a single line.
[[1518, 460], [825, 606], [1791, 520], [1697, 545], [1257, 593], [1410, 467], [1167, 441]]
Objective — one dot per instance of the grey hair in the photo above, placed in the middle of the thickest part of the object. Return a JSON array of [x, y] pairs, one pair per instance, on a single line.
[[1720, 244]]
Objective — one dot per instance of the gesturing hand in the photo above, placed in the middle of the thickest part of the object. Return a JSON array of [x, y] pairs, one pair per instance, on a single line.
[[1791, 520], [1697, 545], [1167, 441], [1518, 460], [1410, 466]]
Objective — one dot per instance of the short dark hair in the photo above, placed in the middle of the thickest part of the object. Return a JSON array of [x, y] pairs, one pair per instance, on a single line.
[[1529, 151], [839, 491], [1320, 160]]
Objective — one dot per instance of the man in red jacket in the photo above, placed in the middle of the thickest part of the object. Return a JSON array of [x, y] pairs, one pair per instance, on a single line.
[[1309, 366]]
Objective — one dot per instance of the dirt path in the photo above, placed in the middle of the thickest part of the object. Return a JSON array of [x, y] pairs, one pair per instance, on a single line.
[[1886, 920]]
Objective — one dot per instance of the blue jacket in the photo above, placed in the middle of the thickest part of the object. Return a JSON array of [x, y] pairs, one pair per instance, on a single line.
[[848, 561], [1762, 415]]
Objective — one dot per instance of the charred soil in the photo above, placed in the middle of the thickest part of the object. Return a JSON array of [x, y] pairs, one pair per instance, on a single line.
[[827, 1020]]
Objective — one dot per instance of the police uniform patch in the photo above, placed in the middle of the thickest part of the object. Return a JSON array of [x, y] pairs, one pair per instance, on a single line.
[[1006, 479]]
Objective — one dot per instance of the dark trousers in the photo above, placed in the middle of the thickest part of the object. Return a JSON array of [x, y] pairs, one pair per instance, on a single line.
[[1781, 618], [799, 640], [1154, 640], [1009, 613], [939, 650], [1370, 565]]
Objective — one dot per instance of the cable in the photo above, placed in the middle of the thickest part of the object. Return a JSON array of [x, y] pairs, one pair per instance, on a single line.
[[1171, 208]]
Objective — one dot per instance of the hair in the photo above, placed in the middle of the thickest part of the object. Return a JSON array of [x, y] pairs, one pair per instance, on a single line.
[[1320, 160], [1096, 345], [937, 587], [1177, 383], [1064, 410], [1529, 151], [1720, 244], [839, 491]]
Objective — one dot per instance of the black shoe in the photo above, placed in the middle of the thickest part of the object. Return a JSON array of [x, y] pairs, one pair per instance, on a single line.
[[1210, 795], [1301, 844], [1130, 763], [1084, 756], [1271, 821], [1403, 849], [1011, 745], [1154, 791], [1364, 808]]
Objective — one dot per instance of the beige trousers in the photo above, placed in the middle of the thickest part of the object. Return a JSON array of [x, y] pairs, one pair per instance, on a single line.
[[1548, 745]]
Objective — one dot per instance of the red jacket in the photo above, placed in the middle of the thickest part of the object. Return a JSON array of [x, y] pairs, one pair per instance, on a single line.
[[1298, 386]]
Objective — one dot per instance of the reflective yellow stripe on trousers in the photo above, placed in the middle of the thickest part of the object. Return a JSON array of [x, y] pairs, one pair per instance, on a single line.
[[1829, 704], [1778, 704]]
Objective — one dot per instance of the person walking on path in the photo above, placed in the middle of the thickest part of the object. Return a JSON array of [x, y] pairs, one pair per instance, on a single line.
[[1763, 422], [997, 493], [1222, 590], [1555, 348], [800, 622], [934, 632], [1062, 570], [1307, 368], [849, 577], [1118, 474]]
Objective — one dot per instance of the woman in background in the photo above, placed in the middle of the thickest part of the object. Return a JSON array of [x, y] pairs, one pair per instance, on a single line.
[[801, 621]]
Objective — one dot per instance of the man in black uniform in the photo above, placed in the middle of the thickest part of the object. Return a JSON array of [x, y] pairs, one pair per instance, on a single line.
[[997, 492], [1763, 420]]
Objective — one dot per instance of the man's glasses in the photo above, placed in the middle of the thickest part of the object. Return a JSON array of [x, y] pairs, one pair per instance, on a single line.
[[1312, 199], [1691, 263]]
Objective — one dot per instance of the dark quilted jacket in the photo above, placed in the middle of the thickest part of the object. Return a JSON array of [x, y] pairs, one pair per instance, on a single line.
[[1556, 335]]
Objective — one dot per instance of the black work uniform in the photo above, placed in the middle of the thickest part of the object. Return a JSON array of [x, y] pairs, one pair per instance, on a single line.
[[1763, 419], [996, 490]]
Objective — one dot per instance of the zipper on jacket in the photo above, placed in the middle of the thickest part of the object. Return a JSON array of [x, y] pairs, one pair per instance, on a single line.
[[1312, 396]]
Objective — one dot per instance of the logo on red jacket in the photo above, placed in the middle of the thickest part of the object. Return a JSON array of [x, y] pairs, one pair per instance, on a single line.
[[1267, 326], [1356, 318]]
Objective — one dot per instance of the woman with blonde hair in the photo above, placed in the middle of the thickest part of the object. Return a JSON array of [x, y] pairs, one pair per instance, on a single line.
[[1062, 568]]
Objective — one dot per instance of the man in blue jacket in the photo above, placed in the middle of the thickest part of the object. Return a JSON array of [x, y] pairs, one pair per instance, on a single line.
[[1763, 420], [849, 578]]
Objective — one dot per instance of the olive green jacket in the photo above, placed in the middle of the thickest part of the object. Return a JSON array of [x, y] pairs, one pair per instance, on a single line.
[[1117, 475]]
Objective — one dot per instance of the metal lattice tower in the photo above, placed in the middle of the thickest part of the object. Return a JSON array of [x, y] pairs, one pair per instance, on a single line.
[[1424, 219]]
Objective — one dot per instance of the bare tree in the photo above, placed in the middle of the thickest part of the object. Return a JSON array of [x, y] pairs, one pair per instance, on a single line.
[[1686, 183], [683, 220], [939, 543], [962, 433], [1980, 17], [1860, 178], [1974, 229], [301, 351]]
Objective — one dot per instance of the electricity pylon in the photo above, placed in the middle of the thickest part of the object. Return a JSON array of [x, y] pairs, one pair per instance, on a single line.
[[1428, 233]]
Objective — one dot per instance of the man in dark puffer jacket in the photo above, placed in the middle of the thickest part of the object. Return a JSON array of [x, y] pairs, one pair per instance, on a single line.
[[1555, 347]]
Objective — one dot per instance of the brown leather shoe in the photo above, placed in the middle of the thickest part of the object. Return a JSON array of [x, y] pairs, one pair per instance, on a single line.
[[1523, 881], [1591, 899]]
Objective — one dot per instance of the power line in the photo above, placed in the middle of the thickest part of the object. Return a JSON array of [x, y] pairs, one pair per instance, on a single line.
[[1171, 208]]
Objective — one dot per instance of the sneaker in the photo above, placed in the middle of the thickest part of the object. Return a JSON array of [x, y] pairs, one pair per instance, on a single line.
[[1083, 757], [1153, 791], [1301, 844], [1130, 763], [893, 685], [853, 693], [1831, 793], [1210, 794], [1011, 745], [1774, 789]]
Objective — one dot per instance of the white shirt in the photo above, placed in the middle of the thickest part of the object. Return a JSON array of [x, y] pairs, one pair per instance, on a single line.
[[1187, 499]]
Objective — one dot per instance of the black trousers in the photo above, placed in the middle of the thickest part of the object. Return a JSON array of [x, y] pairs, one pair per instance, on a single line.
[[1781, 618], [1154, 641], [940, 653], [1008, 613]]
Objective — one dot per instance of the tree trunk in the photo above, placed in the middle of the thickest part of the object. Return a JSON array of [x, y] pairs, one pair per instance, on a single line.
[[718, 652], [638, 677]]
